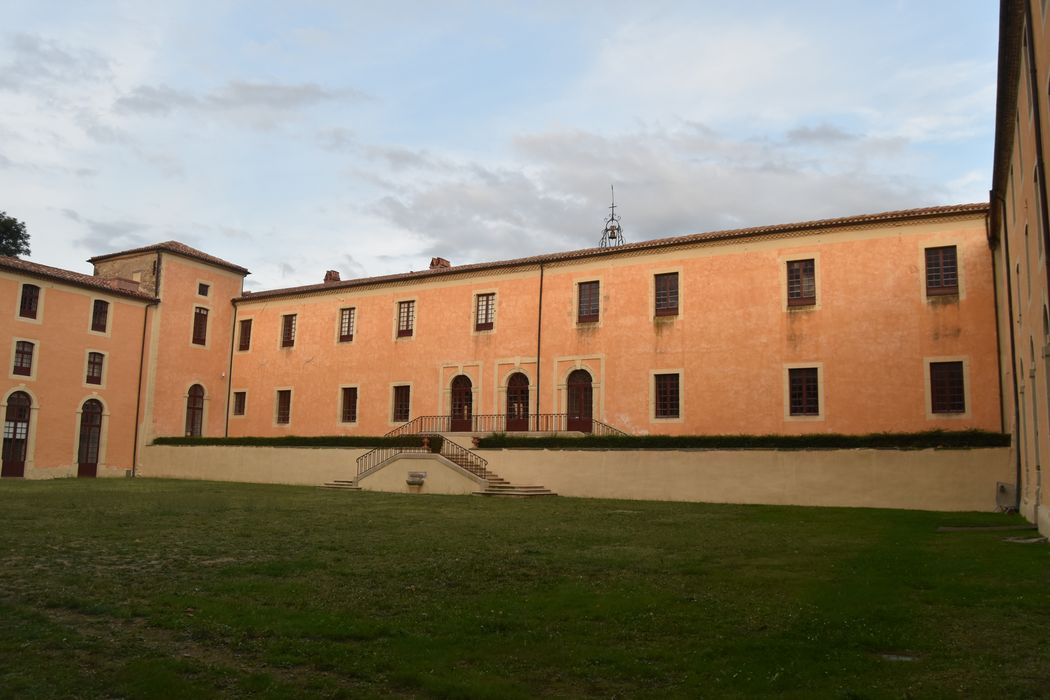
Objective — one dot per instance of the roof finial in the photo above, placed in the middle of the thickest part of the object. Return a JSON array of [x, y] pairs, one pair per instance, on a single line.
[[612, 234]]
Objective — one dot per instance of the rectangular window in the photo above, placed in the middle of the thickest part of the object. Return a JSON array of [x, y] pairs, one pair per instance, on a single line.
[[349, 407], [947, 393], [587, 304], [406, 318], [94, 368], [30, 301], [667, 294], [288, 330], [245, 341], [667, 396], [200, 325], [942, 271], [202, 289], [803, 391], [346, 325], [23, 358], [802, 283], [284, 406], [99, 315], [402, 403], [484, 311], [240, 398]]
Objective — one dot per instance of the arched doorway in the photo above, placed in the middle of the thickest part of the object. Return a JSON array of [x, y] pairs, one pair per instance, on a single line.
[[462, 404], [90, 436], [195, 411], [518, 402], [581, 401], [16, 434]]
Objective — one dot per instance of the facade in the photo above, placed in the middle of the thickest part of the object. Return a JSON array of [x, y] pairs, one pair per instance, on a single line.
[[1019, 234], [863, 324]]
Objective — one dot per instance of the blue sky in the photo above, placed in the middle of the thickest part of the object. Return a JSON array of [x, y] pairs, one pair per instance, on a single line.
[[293, 138]]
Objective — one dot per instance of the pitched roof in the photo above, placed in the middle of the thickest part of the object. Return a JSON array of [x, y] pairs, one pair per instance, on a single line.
[[177, 248], [57, 274], [802, 227]]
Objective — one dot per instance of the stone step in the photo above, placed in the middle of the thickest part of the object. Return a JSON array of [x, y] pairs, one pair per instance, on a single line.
[[515, 493], [341, 485]]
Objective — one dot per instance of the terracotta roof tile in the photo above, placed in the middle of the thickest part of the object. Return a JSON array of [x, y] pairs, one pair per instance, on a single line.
[[744, 233], [78, 279], [179, 249]]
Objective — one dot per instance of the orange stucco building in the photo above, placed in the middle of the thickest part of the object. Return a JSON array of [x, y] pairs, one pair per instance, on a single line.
[[870, 323]]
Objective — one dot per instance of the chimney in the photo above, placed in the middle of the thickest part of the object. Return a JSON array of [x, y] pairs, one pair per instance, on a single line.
[[439, 263], [331, 276]]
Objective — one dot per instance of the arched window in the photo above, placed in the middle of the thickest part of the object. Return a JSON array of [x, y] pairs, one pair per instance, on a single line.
[[16, 434], [195, 411], [518, 402], [90, 437], [581, 401], [462, 404]]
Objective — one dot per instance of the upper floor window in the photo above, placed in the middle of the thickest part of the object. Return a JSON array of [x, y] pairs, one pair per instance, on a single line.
[[240, 399], [200, 325], [244, 342], [803, 391], [942, 271], [203, 289], [349, 406], [406, 318], [666, 285], [94, 368], [402, 403], [587, 305], [947, 393], [99, 315], [667, 396], [484, 311], [30, 301], [23, 358], [346, 325], [288, 330], [801, 282], [284, 406]]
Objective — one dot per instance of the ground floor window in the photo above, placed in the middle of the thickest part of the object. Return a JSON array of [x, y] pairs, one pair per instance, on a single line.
[[402, 404], [349, 404], [667, 396], [947, 392], [284, 406], [803, 391]]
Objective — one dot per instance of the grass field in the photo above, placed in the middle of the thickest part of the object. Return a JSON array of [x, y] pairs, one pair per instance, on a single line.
[[148, 588]]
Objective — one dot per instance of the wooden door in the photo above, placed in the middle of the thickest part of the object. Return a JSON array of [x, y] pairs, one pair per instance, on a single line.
[[16, 435], [462, 405], [518, 402], [90, 435], [195, 411], [581, 401]]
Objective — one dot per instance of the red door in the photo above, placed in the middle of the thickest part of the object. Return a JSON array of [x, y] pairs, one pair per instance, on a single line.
[[581, 401], [462, 405], [16, 435], [90, 434], [518, 402]]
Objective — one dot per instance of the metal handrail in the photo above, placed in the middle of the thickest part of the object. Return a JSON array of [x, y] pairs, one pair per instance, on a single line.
[[460, 455], [371, 460], [499, 423]]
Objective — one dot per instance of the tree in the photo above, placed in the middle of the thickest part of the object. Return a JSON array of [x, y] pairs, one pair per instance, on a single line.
[[13, 237]]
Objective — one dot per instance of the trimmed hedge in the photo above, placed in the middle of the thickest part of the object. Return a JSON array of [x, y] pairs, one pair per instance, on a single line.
[[955, 439], [298, 441]]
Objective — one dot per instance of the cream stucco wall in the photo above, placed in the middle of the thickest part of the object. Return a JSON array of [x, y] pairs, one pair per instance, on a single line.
[[262, 465], [920, 479]]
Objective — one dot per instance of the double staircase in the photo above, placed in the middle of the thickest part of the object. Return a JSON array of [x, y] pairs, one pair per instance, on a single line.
[[496, 486]]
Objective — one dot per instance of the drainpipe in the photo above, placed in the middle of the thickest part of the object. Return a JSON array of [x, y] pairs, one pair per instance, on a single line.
[[229, 372], [1013, 348], [138, 394], [539, 335]]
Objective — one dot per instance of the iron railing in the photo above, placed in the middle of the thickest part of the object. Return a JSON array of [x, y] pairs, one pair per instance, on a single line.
[[371, 460], [473, 463], [501, 423]]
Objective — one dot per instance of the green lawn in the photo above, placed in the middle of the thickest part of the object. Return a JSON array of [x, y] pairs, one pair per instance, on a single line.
[[148, 588]]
